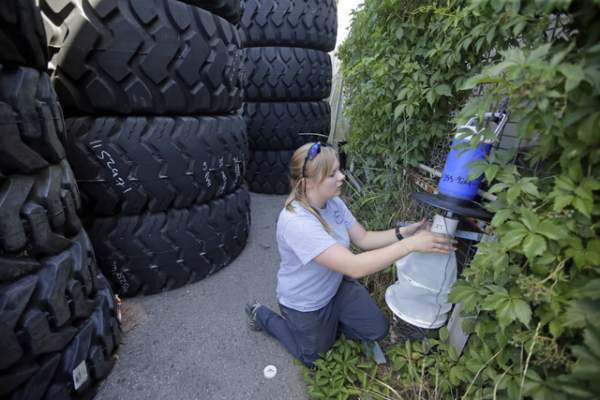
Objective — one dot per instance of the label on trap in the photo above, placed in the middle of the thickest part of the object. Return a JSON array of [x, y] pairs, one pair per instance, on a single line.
[[80, 375]]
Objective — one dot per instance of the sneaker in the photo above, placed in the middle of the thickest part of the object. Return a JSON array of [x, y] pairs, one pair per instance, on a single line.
[[250, 310]]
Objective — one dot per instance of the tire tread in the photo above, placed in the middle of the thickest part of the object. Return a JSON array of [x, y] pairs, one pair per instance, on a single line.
[[286, 74], [155, 252], [31, 119], [308, 23], [132, 165], [268, 171], [152, 57], [277, 125]]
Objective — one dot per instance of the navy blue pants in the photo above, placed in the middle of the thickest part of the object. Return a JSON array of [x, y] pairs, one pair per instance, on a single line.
[[306, 334]]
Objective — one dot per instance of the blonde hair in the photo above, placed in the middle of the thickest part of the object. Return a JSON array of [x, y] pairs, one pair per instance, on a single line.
[[319, 167]]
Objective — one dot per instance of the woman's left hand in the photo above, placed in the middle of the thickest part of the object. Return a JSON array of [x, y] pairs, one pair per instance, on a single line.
[[411, 229]]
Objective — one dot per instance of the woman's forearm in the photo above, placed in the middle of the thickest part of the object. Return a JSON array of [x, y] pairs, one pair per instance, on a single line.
[[372, 240], [376, 239], [343, 260], [373, 261]]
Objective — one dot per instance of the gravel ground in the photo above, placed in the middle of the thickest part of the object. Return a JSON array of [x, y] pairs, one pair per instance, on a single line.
[[193, 342]]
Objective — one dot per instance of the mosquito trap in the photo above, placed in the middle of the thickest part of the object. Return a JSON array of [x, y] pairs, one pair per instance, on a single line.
[[419, 297]]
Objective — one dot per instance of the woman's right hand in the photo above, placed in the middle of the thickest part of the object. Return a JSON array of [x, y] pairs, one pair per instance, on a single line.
[[429, 242]]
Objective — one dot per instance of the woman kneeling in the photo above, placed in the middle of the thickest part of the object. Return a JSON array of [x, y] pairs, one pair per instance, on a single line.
[[318, 294]]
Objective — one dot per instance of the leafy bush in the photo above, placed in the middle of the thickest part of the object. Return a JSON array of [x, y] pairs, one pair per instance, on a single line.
[[404, 62], [410, 69]]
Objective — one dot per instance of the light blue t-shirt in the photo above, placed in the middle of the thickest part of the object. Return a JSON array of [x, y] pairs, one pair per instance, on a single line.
[[302, 284]]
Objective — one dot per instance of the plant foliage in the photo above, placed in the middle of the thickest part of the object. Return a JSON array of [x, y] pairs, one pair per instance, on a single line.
[[411, 69]]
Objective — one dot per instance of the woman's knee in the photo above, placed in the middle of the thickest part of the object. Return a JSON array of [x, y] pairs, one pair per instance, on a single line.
[[378, 328], [309, 359], [382, 327], [313, 346]]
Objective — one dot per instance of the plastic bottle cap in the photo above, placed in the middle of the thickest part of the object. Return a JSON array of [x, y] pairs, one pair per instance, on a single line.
[[270, 371]]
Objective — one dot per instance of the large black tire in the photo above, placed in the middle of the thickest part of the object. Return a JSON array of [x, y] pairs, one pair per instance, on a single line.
[[308, 23], [45, 319], [277, 125], [150, 253], [22, 36], [151, 57], [31, 121], [285, 73], [131, 165], [38, 217], [93, 348], [268, 171], [228, 9]]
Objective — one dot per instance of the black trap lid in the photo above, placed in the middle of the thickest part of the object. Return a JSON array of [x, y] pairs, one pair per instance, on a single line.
[[466, 208]]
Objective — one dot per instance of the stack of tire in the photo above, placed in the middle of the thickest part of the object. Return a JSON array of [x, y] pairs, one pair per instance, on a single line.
[[288, 74], [152, 93], [58, 320]]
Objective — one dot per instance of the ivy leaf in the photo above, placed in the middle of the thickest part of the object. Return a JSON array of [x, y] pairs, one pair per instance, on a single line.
[[500, 265], [519, 26], [551, 230], [457, 375], [476, 168], [564, 183], [471, 82], [559, 56], [491, 171], [399, 33], [535, 386], [539, 52], [443, 334], [514, 235], [529, 218], [591, 290], [592, 252], [501, 216], [575, 172], [508, 175], [453, 353], [498, 187], [529, 187], [465, 293], [584, 206], [574, 74], [522, 311], [429, 97], [571, 387], [580, 311], [556, 327], [534, 245], [443, 90], [546, 259], [561, 201], [575, 250], [590, 184], [584, 192], [588, 129], [399, 110], [513, 193], [587, 366], [494, 301], [507, 308], [512, 309]]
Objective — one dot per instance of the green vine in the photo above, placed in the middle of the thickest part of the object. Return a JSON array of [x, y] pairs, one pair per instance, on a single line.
[[534, 294]]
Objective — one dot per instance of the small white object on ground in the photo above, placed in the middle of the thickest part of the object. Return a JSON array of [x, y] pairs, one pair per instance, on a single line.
[[270, 371]]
